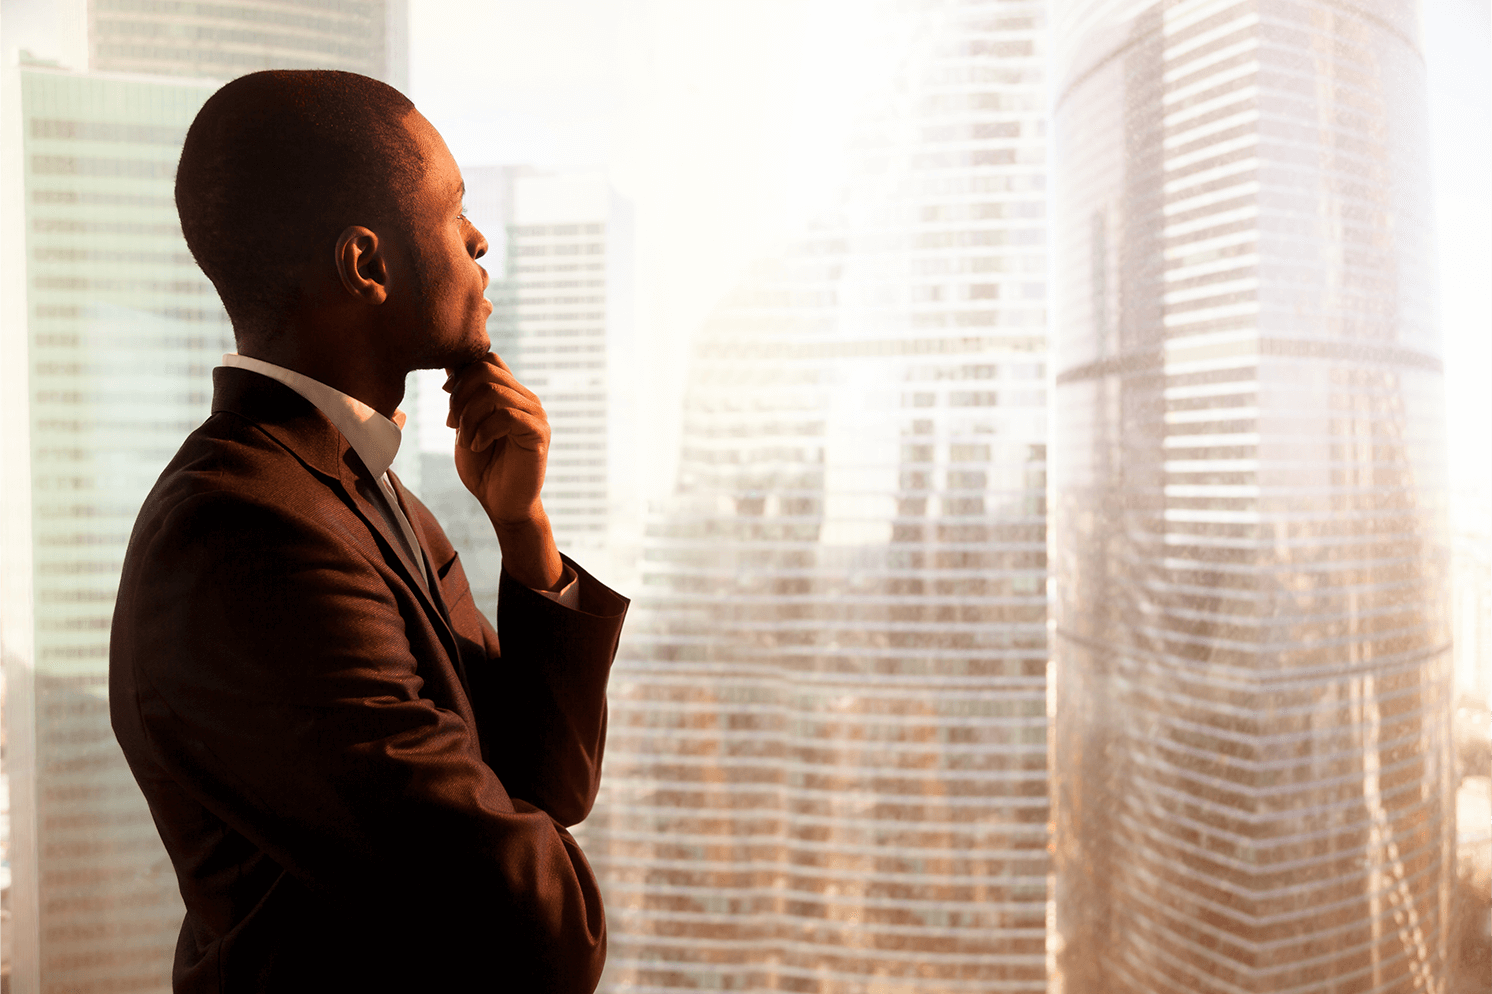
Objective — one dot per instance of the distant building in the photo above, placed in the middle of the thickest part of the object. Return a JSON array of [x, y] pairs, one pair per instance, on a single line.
[[1252, 680], [117, 335], [826, 762], [224, 40], [568, 275], [561, 284]]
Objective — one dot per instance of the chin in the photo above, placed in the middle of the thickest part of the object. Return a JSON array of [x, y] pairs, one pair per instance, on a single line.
[[476, 350], [456, 356]]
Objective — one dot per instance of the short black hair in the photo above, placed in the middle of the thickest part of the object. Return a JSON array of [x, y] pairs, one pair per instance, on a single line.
[[274, 167]]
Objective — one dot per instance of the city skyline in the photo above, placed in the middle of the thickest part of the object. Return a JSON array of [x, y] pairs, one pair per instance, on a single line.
[[830, 715]]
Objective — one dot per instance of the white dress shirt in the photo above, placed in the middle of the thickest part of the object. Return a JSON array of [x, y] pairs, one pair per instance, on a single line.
[[376, 440]]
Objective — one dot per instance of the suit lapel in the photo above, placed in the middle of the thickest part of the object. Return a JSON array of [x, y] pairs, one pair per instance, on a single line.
[[297, 425], [434, 588], [360, 489]]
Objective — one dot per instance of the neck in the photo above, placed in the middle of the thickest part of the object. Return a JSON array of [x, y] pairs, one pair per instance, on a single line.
[[340, 361]]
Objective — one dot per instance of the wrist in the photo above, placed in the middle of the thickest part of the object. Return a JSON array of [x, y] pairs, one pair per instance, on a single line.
[[528, 550]]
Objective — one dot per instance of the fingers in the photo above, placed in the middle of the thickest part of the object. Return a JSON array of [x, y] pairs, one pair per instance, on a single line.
[[490, 394], [482, 388], [484, 411], [524, 430], [490, 368]]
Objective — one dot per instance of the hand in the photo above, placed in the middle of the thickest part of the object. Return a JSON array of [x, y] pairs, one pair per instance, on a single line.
[[502, 438], [502, 447]]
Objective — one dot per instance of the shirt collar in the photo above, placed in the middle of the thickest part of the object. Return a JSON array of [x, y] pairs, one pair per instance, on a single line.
[[372, 436]]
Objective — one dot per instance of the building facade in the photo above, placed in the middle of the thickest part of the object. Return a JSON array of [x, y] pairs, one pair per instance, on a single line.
[[123, 331], [110, 359], [224, 40], [560, 261], [1252, 776], [826, 762], [563, 246]]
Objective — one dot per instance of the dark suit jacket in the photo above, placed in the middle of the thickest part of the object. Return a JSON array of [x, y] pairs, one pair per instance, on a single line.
[[357, 790]]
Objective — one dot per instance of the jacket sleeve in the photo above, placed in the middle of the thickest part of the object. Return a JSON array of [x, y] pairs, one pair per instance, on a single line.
[[538, 683], [273, 674]]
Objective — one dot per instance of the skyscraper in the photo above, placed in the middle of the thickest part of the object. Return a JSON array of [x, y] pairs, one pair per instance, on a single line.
[[123, 331], [1251, 656], [221, 41], [560, 260], [567, 252], [120, 333], [826, 764]]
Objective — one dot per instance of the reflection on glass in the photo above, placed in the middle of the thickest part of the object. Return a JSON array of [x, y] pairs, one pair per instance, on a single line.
[[1252, 772]]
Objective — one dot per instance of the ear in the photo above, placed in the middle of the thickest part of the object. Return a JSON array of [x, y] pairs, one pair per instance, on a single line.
[[361, 265]]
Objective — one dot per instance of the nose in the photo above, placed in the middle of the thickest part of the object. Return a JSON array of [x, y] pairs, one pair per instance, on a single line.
[[479, 246]]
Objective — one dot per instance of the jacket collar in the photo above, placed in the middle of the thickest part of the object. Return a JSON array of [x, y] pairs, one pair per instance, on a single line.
[[284, 415], [375, 437]]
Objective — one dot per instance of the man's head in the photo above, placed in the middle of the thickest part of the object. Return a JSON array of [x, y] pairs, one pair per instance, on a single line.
[[294, 181]]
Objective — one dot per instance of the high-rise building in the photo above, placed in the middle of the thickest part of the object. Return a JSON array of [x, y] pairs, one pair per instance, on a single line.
[[560, 260], [561, 320], [1252, 777], [109, 346], [224, 40], [123, 330], [826, 762], [557, 279]]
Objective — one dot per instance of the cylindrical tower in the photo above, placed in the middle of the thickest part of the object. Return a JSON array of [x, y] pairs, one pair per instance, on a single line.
[[1251, 755]]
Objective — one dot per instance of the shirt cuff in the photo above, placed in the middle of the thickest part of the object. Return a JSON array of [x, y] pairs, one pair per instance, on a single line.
[[568, 594]]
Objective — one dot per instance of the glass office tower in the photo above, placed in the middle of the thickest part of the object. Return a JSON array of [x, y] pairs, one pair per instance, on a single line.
[[560, 259], [566, 237], [224, 40], [1251, 648], [114, 352], [826, 762], [123, 332]]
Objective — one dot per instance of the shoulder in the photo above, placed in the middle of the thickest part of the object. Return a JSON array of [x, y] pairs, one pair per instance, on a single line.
[[232, 487]]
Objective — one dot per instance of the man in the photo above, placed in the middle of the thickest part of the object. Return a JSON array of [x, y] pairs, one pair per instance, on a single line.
[[358, 791]]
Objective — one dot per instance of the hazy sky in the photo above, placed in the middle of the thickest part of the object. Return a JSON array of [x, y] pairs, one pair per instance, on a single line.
[[1458, 46], [722, 119]]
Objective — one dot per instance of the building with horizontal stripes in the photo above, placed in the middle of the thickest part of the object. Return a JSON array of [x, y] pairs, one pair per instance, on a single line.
[[122, 331], [227, 38], [1251, 773], [568, 253], [826, 760], [110, 336]]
